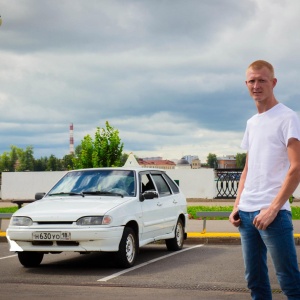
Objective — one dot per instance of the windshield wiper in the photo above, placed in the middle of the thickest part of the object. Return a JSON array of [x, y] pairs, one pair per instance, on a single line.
[[102, 193], [70, 194]]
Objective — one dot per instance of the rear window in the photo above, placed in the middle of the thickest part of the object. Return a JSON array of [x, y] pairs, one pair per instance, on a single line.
[[162, 187], [172, 184]]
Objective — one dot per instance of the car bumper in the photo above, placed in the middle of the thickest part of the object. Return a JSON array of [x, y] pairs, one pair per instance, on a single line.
[[82, 240]]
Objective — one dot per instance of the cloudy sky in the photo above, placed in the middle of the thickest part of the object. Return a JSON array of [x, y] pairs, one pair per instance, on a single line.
[[168, 74]]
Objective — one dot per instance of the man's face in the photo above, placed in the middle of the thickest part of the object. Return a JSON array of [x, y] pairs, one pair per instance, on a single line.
[[260, 84]]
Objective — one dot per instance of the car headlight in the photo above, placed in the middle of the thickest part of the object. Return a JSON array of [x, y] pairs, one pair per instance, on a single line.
[[94, 220], [21, 221]]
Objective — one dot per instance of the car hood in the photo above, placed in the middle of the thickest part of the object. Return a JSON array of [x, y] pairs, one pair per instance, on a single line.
[[69, 208]]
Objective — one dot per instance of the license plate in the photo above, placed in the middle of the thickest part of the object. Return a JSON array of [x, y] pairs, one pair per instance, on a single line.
[[51, 236]]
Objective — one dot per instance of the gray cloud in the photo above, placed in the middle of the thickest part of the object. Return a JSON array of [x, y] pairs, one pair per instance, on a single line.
[[168, 74]]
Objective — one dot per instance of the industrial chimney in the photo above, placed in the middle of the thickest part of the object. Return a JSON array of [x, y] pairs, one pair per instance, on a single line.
[[71, 139]]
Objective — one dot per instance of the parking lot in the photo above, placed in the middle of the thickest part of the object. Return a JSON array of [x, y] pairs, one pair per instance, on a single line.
[[197, 272]]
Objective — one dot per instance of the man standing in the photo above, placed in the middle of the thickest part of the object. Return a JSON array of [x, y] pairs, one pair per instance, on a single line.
[[270, 176]]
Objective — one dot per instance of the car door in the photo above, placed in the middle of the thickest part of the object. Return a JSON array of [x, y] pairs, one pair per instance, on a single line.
[[153, 217], [168, 202]]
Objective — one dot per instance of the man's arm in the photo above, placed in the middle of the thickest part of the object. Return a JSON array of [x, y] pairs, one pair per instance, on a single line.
[[239, 192], [292, 179]]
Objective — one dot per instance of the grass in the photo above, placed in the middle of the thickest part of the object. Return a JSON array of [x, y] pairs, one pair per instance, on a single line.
[[295, 212], [8, 210], [192, 210]]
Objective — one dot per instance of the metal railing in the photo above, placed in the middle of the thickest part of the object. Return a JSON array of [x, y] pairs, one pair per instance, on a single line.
[[227, 182]]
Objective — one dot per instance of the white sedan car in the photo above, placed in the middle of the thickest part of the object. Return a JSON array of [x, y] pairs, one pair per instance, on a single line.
[[108, 209]]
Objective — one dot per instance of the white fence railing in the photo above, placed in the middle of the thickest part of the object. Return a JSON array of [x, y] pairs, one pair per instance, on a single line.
[[195, 183]]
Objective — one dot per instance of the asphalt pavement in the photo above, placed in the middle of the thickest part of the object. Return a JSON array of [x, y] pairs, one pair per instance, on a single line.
[[216, 273]]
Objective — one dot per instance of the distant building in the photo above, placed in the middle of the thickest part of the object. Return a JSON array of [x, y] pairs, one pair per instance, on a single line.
[[190, 158], [159, 163], [175, 160], [227, 162], [152, 158], [196, 163], [193, 160], [183, 164]]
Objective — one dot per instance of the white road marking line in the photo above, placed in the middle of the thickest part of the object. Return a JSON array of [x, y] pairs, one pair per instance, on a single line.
[[147, 263], [8, 256]]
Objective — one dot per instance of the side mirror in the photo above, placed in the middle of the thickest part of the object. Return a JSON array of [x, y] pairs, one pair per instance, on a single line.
[[148, 195], [39, 196]]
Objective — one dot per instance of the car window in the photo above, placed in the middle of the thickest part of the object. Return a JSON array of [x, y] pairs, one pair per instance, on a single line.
[[162, 187], [147, 183], [172, 184], [118, 181]]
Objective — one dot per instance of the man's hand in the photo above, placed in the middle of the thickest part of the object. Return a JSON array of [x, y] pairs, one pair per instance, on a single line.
[[264, 218], [234, 221]]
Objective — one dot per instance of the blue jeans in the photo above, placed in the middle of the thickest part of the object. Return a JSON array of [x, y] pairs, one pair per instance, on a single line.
[[278, 239]]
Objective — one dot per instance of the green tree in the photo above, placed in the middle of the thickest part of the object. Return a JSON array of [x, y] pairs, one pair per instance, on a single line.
[[26, 160], [5, 163], [67, 162], [107, 147], [40, 164], [14, 156], [104, 151], [124, 158], [9, 160], [212, 160], [240, 160], [53, 164], [84, 158], [78, 149]]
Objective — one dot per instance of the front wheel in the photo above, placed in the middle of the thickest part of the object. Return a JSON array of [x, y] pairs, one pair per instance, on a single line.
[[128, 249], [176, 243], [30, 259]]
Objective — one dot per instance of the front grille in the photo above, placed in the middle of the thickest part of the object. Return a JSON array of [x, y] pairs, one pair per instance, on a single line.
[[67, 243], [54, 223], [58, 243], [42, 243]]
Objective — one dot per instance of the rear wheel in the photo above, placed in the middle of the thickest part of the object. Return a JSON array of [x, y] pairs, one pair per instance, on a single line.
[[176, 243], [30, 259], [128, 249]]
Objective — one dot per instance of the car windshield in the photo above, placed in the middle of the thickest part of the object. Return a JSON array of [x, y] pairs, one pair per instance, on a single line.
[[96, 182]]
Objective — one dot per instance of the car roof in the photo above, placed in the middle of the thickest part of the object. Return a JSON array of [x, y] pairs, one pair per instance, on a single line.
[[136, 169]]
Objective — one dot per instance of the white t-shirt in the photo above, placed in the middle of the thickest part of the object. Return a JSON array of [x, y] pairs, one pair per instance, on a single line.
[[266, 139]]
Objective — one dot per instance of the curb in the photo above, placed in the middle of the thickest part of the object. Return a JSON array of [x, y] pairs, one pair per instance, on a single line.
[[227, 238], [2, 237]]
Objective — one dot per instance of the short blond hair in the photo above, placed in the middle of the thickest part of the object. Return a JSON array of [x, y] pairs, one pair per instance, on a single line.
[[259, 64]]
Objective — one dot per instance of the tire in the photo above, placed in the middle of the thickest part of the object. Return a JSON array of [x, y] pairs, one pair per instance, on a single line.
[[30, 259], [176, 243], [128, 249]]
